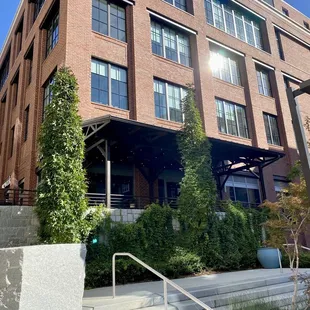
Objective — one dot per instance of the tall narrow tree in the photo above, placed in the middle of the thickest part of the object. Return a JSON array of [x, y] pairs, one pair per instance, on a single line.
[[61, 204], [198, 190]]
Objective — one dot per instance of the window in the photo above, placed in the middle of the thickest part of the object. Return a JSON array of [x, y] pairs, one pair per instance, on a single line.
[[2, 111], [12, 133], [234, 22], [29, 64], [109, 84], [279, 44], [26, 123], [37, 8], [170, 43], [225, 67], [109, 19], [231, 119], [244, 189], [270, 2], [168, 101], [272, 130], [263, 81], [306, 25], [280, 184], [4, 69], [15, 88], [19, 36], [52, 34], [48, 94], [181, 4], [285, 11]]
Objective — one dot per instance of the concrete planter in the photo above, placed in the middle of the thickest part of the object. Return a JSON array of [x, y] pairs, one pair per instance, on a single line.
[[42, 277], [268, 257]]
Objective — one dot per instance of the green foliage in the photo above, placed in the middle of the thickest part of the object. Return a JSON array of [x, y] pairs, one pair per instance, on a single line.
[[198, 191], [61, 204], [304, 260], [233, 238], [231, 244], [156, 223]]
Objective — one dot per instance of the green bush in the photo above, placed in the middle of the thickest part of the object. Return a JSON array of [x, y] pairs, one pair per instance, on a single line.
[[230, 244], [304, 260]]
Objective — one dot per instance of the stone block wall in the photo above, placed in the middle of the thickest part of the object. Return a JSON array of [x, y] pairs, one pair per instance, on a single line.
[[125, 215], [18, 226]]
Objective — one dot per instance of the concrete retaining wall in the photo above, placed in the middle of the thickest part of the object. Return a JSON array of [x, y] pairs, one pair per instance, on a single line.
[[125, 215], [42, 277], [18, 226]]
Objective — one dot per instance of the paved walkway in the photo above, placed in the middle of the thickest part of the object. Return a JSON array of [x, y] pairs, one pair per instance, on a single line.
[[146, 288]]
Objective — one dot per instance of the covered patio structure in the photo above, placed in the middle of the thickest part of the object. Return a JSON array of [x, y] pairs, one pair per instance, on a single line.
[[132, 164]]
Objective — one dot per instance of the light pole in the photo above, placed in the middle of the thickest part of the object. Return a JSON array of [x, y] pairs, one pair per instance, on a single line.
[[301, 140]]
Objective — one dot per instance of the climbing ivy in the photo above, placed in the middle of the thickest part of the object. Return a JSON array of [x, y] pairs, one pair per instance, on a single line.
[[198, 190], [61, 205]]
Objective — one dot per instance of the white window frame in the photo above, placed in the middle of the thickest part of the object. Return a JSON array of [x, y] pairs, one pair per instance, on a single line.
[[173, 3], [243, 21], [232, 183]]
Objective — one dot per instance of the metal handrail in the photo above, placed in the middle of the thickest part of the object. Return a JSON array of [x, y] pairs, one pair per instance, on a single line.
[[166, 281], [289, 244]]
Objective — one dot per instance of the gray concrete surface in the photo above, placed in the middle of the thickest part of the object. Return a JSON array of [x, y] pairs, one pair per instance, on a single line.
[[44, 277], [18, 226]]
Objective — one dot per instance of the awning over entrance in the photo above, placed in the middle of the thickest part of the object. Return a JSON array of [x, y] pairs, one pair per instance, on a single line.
[[153, 149]]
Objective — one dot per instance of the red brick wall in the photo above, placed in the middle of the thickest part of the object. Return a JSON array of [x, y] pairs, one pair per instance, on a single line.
[[78, 44]]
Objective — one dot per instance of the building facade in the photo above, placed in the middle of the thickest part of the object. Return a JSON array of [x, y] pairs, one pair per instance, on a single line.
[[133, 60]]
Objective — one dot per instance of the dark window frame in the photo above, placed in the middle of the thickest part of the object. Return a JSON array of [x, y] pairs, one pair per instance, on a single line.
[[12, 140], [285, 12], [112, 23], [52, 34], [26, 123], [272, 129], [238, 125], [5, 69], [112, 90]]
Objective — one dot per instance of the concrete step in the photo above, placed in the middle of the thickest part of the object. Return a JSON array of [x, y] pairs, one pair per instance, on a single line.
[[226, 299], [176, 296], [123, 302]]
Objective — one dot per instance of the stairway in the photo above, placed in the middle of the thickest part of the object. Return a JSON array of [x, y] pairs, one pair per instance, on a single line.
[[218, 296]]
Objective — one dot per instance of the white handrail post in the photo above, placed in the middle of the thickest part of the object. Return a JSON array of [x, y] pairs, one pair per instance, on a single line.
[[280, 263], [113, 275], [165, 295]]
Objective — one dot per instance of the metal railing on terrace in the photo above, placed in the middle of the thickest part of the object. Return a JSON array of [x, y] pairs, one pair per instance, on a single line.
[[17, 197]]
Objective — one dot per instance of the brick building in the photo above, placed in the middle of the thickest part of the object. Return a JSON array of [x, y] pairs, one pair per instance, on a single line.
[[133, 60]]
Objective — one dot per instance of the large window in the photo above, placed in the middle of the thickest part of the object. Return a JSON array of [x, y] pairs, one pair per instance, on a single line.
[[52, 34], [279, 44], [225, 67], [168, 101], [170, 43], [231, 118], [109, 19], [181, 4], [4, 69], [272, 130], [234, 22], [244, 190], [263, 81], [109, 84], [26, 122], [37, 8], [48, 94]]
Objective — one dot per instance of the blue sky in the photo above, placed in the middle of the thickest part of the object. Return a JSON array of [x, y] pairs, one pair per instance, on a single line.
[[8, 8]]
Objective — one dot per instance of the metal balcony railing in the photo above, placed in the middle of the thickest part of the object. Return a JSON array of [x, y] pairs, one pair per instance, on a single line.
[[18, 197]]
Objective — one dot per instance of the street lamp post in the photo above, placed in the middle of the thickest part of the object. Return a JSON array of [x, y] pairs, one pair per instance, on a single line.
[[301, 140]]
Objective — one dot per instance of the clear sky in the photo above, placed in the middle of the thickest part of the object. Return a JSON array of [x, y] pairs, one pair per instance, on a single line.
[[8, 8]]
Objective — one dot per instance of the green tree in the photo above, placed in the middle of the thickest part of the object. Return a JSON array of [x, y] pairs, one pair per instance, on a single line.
[[288, 219], [198, 190], [61, 205]]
